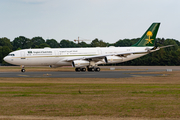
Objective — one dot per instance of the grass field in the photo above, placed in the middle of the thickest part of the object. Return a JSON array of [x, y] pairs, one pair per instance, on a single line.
[[110, 98]]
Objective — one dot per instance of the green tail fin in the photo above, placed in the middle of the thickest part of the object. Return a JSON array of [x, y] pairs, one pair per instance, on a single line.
[[149, 37]]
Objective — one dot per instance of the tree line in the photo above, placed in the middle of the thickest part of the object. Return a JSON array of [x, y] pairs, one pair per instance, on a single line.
[[166, 56]]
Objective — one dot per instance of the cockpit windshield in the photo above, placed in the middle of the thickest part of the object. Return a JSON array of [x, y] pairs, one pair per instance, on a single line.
[[11, 55]]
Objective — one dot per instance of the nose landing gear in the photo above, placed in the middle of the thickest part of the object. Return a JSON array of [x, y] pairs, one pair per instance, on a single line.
[[23, 69]]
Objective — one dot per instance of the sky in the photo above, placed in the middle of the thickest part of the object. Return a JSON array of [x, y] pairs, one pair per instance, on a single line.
[[107, 20]]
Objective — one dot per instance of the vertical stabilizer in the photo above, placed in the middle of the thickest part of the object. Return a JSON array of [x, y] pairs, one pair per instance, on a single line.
[[149, 37]]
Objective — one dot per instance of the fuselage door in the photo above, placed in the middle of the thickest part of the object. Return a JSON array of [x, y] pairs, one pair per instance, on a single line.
[[57, 53], [23, 55], [99, 52]]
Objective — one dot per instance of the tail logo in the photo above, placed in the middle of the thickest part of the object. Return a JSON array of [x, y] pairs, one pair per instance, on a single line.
[[149, 34]]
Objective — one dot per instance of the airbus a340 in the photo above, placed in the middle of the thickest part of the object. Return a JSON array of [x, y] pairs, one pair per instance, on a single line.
[[85, 58]]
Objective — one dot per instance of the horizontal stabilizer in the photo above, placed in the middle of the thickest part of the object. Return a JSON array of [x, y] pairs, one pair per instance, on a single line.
[[166, 46]]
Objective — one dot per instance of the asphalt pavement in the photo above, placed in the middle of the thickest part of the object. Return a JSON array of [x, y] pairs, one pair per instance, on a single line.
[[102, 74], [123, 72]]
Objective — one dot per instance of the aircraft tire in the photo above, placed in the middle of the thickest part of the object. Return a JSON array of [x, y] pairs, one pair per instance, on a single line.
[[97, 69], [77, 69], [83, 69], [23, 70], [90, 69]]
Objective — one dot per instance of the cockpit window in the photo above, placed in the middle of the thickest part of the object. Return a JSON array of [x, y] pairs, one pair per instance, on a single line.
[[11, 54]]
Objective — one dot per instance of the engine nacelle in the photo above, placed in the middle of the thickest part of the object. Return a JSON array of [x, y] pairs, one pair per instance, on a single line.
[[80, 63], [113, 59]]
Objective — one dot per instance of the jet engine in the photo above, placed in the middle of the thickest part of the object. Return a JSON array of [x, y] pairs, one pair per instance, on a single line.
[[80, 63], [113, 59]]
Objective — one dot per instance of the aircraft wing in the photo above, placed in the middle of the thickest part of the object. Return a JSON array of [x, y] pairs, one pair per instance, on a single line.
[[123, 54]]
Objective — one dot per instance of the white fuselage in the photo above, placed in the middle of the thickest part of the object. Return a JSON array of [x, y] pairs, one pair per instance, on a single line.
[[58, 56]]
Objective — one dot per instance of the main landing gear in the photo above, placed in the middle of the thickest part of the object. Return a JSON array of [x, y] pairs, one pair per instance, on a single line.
[[23, 69], [80, 69], [96, 69]]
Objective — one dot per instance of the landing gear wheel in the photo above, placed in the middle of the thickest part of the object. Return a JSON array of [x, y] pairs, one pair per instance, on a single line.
[[23, 70], [83, 69], [97, 69], [77, 69], [90, 69]]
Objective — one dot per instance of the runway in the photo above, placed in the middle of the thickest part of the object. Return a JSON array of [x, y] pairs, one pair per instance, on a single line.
[[123, 72], [102, 74]]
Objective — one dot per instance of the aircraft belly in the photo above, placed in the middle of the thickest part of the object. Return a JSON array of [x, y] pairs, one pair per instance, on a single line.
[[63, 63]]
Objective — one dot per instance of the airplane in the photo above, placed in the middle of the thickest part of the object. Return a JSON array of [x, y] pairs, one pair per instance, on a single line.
[[83, 59]]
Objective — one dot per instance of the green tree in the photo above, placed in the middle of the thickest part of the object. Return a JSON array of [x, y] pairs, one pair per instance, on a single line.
[[5, 48], [43, 45], [171, 42], [98, 43], [82, 44], [37, 41], [21, 42], [5, 42], [52, 43], [1, 54], [4, 51], [67, 44], [123, 43]]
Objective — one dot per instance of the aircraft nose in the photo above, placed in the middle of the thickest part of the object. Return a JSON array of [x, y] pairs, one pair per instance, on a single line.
[[6, 59]]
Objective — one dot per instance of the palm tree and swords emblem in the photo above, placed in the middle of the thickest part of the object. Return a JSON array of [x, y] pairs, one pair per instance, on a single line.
[[149, 34]]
